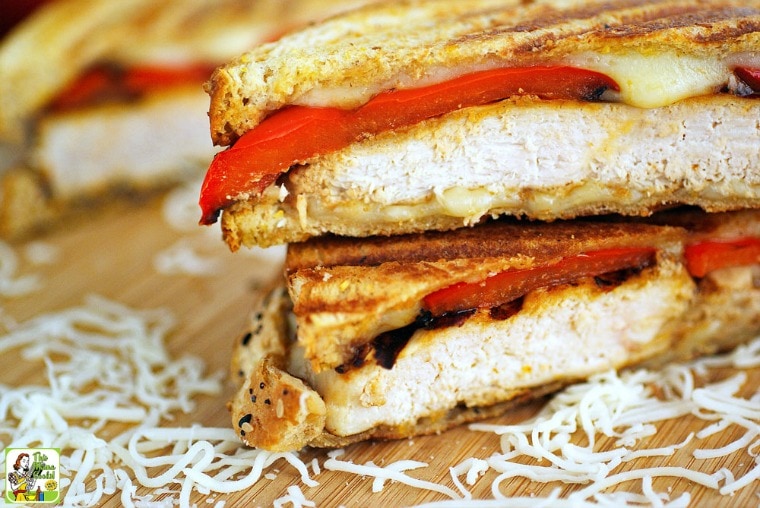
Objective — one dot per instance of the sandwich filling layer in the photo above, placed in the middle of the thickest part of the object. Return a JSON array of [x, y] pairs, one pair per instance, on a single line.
[[282, 106], [537, 159], [124, 149], [347, 295], [559, 334], [300, 135]]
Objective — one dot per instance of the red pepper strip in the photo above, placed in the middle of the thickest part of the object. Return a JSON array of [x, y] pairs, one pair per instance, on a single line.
[[106, 81], [751, 77], [704, 257], [142, 79], [91, 84], [278, 142], [256, 160], [512, 284]]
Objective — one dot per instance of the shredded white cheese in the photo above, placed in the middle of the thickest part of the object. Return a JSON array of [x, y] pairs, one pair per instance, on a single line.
[[182, 258], [107, 363], [12, 284], [295, 497], [393, 471], [610, 405]]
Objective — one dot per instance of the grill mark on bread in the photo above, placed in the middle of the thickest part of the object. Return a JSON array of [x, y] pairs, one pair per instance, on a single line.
[[631, 19], [712, 25], [716, 25], [498, 238]]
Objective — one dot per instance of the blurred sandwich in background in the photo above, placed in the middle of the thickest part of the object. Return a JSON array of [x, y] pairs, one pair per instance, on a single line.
[[102, 98]]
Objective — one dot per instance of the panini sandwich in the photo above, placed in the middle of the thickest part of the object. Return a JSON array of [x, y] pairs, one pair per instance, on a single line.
[[485, 201], [100, 96]]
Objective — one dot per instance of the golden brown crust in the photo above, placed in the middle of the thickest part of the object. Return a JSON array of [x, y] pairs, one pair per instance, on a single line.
[[702, 225], [364, 51], [276, 411], [542, 242], [272, 409]]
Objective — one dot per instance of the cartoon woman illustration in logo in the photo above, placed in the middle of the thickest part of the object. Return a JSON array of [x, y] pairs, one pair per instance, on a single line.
[[21, 480]]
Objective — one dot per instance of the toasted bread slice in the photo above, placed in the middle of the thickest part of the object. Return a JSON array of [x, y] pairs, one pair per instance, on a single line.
[[488, 362], [643, 142], [394, 45]]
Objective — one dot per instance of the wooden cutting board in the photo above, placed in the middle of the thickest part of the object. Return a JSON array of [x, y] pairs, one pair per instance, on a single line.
[[112, 254]]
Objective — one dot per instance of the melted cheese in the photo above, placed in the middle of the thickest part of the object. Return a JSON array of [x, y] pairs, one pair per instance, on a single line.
[[647, 80], [472, 204], [657, 79]]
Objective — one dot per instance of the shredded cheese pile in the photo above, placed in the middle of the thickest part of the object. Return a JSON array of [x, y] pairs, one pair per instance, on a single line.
[[559, 445], [13, 284], [107, 364], [561, 440]]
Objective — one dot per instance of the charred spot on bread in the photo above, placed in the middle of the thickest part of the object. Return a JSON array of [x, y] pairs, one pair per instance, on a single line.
[[245, 424], [610, 280]]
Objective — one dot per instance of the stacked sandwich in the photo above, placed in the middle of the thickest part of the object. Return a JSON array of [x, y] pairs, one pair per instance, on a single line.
[[100, 96], [485, 201]]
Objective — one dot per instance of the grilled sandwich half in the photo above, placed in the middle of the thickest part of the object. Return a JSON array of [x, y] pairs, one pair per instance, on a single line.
[[396, 336], [100, 96], [410, 116]]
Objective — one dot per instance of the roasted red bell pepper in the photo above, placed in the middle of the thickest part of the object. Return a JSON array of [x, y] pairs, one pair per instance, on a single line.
[[298, 133], [112, 81], [707, 256], [511, 284], [751, 77]]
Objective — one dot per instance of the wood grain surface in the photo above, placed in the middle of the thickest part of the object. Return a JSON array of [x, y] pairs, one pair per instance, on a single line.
[[113, 255]]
